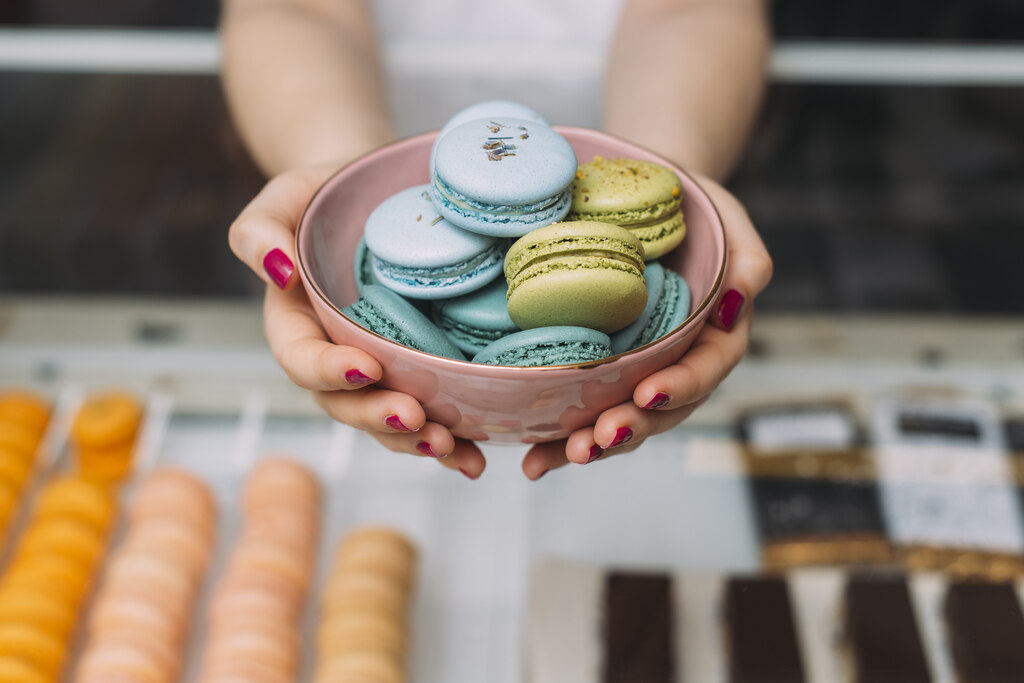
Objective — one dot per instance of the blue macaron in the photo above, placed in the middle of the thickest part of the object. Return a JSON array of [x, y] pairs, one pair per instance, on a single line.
[[488, 110], [555, 345], [474, 320], [362, 267], [502, 176], [380, 310], [419, 254], [668, 307]]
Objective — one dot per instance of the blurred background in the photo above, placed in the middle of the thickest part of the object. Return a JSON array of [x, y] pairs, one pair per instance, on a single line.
[[885, 172]]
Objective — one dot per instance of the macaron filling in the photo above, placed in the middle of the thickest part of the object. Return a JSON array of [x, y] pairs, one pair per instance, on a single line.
[[481, 268], [574, 253], [466, 336], [631, 218], [548, 209]]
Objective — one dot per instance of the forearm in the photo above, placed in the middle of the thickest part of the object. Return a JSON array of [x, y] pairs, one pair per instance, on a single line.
[[685, 78], [303, 80]]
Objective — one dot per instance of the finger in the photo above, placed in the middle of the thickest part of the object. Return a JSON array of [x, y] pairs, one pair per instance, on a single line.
[[379, 411], [623, 428], [263, 235], [432, 441], [749, 264], [301, 347], [544, 457], [467, 458], [702, 368]]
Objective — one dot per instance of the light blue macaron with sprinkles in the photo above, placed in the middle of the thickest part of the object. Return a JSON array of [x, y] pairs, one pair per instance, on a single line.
[[542, 346], [668, 307], [488, 110], [474, 320], [502, 176], [380, 310], [420, 255]]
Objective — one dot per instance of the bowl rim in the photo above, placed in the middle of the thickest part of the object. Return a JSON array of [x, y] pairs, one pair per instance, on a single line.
[[716, 286]]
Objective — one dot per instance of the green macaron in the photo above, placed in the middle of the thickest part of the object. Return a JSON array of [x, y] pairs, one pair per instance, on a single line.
[[580, 273], [638, 195]]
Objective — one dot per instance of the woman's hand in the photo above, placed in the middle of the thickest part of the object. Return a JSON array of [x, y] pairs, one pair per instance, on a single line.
[[340, 377], [669, 396]]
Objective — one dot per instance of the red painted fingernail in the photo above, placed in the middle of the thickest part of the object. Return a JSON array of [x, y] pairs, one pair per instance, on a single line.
[[468, 475], [279, 267], [357, 378], [729, 308], [424, 448], [395, 422], [623, 435], [595, 453], [660, 400]]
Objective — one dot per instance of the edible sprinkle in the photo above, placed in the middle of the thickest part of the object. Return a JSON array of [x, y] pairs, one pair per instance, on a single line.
[[436, 220], [675, 191], [418, 218], [579, 174]]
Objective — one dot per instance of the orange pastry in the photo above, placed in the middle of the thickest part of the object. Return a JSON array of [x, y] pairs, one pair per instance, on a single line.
[[25, 408], [66, 537], [54, 574], [15, 468], [8, 502], [17, 670], [77, 498], [106, 419], [107, 465], [45, 611], [18, 439], [37, 647]]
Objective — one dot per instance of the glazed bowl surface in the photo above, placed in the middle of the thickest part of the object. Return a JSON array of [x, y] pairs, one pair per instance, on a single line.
[[484, 402]]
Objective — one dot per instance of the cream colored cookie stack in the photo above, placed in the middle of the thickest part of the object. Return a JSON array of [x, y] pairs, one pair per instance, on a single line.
[[142, 611], [363, 630], [256, 610]]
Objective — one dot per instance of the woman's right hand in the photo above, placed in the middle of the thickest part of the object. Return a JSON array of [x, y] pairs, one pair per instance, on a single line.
[[341, 377]]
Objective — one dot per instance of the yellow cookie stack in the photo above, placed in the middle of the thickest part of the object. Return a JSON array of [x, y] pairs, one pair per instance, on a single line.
[[142, 611], [23, 419], [253, 628], [103, 435], [363, 632], [44, 587]]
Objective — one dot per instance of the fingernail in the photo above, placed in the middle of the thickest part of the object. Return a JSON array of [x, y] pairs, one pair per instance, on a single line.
[[660, 400], [424, 448], [537, 478], [279, 267], [623, 435], [729, 308], [468, 475], [595, 453], [395, 422], [357, 378]]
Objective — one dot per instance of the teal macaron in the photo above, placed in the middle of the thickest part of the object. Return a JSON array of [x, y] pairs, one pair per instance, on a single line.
[[383, 312], [474, 320], [579, 273], [546, 346], [502, 176], [668, 307], [420, 255]]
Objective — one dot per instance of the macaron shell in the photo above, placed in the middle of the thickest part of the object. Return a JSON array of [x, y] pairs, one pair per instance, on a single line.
[[668, 307], [26, 408], [385, 313], [547, 346], [474, 320]]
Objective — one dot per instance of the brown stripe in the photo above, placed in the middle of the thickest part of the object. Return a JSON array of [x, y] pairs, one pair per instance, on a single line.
[[881, 631], [638, 629], [761, 632], [986, 630]]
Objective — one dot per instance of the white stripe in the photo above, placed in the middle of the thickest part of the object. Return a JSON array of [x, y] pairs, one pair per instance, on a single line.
[[793, 61]]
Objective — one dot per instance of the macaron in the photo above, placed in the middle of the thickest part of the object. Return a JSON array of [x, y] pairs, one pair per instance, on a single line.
[[106, 419], [542, 346], [639, 195], [474, 320], [668, 307], [488, 110], [279, 480], [17, 438], [26, 408], [580, 273], [383, 312], [362, 266], [502, 176], [418, 254], [77, 498]]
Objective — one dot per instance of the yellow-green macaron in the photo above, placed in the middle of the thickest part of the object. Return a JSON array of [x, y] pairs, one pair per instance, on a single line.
[[640, 196]]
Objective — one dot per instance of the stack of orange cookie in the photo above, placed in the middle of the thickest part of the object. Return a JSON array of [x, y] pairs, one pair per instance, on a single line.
[[141, 614], [23, 419], [363, 632], [256, 609], [49, 576], [103, 435]]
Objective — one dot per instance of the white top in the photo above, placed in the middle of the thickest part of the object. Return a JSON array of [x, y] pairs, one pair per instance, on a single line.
[[444, 55]]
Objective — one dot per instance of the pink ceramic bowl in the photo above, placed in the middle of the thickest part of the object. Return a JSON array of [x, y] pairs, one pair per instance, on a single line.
[[484, 402]]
